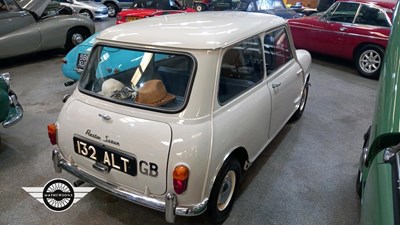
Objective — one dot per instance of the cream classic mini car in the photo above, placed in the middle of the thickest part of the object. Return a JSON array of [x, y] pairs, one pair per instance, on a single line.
[[174, 126]]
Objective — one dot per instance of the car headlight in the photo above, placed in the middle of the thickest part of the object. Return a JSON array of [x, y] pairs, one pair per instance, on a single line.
[[6, 78]]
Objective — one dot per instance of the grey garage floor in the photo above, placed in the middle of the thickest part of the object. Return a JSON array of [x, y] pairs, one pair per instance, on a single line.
[[305, 176]]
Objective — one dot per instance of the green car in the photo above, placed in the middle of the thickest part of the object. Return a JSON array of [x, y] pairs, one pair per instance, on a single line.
[[379, 173], [10, 110]]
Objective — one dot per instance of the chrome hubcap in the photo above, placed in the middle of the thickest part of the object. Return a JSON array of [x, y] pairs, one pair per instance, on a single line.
[[370, 61], [77, 38], [226, 191], [111, 10]]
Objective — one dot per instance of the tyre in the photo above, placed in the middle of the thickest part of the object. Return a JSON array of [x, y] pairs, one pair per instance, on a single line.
[[112, 9], [75, 36], [200, 7], [358, 184], [86, 13], [368, 60], [299, 112], [224, 191]]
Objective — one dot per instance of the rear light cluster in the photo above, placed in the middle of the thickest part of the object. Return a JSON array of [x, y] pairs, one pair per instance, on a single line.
[[181, 177], [52, 131]]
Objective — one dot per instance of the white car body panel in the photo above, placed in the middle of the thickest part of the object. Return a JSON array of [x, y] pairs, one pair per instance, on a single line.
[[205, 132]]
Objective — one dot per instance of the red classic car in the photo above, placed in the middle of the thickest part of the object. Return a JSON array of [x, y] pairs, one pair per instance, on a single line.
[[142, 8], [356, 30]]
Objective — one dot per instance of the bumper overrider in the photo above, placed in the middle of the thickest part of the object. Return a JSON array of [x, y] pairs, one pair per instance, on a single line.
[[16, 110], [167, 205]]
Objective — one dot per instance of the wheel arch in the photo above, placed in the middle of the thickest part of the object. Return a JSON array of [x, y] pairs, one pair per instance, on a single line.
[[84, 28], [111, 2], [239, 153], [381, 142], [360, 45]]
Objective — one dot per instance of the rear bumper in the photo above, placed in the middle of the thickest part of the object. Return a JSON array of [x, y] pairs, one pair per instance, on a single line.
[[167, 204], [16, 111]]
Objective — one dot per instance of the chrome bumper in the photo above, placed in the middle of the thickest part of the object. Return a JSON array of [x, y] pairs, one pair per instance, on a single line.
[[19, 111], [168, 205]]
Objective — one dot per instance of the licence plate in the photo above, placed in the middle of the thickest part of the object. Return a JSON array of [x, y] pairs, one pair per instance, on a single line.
[[130, 19], [82, 59], [111, 158]]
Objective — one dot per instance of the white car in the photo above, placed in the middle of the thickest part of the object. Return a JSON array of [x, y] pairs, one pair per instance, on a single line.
[[91, 9], [174, 124]]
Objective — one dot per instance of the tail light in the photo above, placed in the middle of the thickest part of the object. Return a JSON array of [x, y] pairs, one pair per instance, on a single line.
[[181, 177], [52, 131]]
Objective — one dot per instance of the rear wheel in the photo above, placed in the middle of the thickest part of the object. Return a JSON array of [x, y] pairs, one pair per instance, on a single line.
[[75, 36], [112, 9], [200, 7], [299, 112], [224, 191], [368, 60]]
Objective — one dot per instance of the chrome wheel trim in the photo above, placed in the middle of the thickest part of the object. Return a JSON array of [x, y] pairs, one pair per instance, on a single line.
[[77, 38], [111, 10], [370, 61], [199, 8], [226, 191]]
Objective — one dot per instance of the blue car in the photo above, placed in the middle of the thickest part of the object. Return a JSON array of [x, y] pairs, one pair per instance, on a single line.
[[75, 61], [274, 7]]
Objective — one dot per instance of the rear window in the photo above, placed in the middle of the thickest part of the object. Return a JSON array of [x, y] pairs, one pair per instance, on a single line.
[[138, 78]]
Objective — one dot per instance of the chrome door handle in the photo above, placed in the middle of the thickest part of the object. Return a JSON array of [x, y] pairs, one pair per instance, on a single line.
[[101, 168], [299, 72], [104, 116], [276, 85], [342, 28]]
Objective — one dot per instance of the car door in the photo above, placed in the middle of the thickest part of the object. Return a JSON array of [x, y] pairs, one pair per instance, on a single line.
[[12, 17], [243, 103], [331, 35], [285, 78], [19, 33]]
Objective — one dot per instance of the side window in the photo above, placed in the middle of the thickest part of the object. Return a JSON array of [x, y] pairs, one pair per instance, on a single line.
[[241, 68], [372, 16], [277, 50], [345, 12]]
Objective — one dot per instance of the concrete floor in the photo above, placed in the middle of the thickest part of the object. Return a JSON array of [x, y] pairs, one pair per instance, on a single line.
[[305, 176]]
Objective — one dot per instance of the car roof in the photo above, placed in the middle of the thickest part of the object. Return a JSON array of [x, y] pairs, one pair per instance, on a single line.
[[202, 30], [389, 4]]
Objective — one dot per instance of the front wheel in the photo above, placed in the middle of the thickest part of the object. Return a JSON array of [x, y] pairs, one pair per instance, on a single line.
[[368, 60], [112, 9], [75, 36], [224, 191]]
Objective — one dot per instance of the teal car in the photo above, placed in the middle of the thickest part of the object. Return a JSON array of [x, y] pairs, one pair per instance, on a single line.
[[379, 173], [121, 60], [10, 109]]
